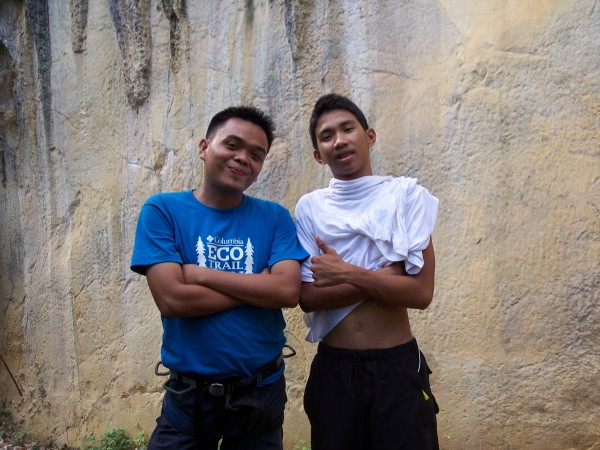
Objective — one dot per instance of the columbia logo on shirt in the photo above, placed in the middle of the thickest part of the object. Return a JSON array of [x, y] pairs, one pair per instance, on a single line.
[[230, 255]]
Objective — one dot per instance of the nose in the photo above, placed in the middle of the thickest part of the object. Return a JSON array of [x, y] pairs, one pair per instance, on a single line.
[[339, 141], [241, 157]]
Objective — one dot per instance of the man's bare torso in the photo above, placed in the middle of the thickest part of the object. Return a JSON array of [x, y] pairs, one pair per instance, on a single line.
[[371, 325]]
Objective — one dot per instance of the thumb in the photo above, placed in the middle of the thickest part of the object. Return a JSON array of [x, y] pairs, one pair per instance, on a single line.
[[323, 246]]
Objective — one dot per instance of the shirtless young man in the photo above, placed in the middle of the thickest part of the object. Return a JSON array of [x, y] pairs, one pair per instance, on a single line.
[[371, 259]]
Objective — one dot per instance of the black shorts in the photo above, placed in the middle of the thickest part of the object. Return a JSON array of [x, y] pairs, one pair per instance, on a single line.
[[197, 420], [376, 399]]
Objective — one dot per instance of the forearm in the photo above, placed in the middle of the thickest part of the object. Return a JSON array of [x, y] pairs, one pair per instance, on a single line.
[[314, 298], [389, 285], [396, 290], [279, 288], [175, 298]]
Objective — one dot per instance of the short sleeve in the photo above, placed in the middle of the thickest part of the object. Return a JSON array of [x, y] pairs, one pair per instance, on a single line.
[[285, 242], [306, 236], [420, 215], [154, 238]]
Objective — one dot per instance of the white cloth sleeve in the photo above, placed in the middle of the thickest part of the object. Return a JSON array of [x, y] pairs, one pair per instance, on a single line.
[[420, 215], [306, 236]]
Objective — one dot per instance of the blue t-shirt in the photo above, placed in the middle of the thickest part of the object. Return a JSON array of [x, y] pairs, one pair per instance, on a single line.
[[176, 227]]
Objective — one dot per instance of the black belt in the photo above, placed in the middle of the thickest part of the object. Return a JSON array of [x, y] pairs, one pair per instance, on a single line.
[[218, 388]]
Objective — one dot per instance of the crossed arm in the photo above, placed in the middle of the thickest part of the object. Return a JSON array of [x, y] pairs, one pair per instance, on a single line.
[[190, 290], [338, 283]]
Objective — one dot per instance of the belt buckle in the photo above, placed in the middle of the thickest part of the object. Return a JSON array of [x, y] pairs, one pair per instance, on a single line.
[[216, 389]]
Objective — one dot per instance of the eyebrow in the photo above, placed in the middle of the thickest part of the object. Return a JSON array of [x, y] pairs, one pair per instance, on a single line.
[[238, 139], [340, 125]]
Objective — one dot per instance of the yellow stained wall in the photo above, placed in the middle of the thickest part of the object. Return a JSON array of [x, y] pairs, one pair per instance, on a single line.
[[494, 106]]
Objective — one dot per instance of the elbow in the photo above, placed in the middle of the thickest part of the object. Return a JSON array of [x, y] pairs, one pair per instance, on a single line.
[[167, 313], [290, 297], [423, 301], [308, 301], [290, 302], [310, 304], [304, 306], [423, 305], [167, 308], [165, 301]]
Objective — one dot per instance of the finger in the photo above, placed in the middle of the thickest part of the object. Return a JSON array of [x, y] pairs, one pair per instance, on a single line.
[[323, 246]]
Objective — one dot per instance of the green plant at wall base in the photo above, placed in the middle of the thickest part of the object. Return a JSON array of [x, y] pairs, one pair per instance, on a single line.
[[301, 445], [5, 419], [114, 439], [11, 435]]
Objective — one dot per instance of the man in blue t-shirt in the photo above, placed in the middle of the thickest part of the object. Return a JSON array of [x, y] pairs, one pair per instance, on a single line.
[[220, 266]]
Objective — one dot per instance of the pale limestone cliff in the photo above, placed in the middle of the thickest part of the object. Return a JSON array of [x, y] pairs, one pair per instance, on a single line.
[[494, 106]]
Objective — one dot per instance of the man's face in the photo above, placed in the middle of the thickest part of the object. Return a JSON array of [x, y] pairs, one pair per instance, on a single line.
[[344, 145], [234, 156]]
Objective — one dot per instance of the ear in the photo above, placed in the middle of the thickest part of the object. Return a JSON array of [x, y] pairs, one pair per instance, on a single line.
[[317, 157], [202, 147], [371, 137]]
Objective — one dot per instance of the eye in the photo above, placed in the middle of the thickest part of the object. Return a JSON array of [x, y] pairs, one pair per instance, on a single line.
[[258, 156], [230, 145], [349, 129], [325, 138]]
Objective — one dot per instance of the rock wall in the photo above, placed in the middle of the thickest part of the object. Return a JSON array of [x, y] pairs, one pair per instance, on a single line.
[[494, 106]]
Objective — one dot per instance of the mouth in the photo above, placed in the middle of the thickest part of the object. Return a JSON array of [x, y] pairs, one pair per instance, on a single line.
[[237, 171], [344, 155]]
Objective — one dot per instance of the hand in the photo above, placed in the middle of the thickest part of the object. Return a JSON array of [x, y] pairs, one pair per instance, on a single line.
[[328, 269]]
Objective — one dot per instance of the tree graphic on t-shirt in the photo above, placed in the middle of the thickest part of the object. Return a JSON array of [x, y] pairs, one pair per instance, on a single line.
[[200, 251], [249, 257]]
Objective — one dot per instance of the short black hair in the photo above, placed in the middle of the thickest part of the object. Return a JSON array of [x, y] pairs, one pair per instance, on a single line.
[[331, 102], [244, 112]]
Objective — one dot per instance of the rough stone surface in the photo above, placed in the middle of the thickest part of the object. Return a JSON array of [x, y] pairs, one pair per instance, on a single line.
[[79, 12], [494, 106]]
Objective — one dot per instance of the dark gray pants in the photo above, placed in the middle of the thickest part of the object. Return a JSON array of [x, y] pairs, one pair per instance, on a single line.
[[197, 420], [376, 399]]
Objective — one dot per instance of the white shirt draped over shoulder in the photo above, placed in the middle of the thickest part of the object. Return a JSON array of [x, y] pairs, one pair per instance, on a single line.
[[371, 222]]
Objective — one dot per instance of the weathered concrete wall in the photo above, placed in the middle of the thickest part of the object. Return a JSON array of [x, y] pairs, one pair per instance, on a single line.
[[494, 106]]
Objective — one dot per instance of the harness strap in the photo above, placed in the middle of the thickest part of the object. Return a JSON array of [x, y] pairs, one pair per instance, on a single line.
[[176, 416], [218, 388], [185, 423]]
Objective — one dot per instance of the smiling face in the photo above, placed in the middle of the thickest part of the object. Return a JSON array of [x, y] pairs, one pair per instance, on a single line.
[[233, 158], [343, 144]]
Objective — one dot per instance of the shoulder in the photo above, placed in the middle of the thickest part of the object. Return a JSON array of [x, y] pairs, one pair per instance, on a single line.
[[167, 198], [264, 205], [409, 187], [417, 202], [312, 198], [406, 184], [166, 209], [168, 206], [266, 211]]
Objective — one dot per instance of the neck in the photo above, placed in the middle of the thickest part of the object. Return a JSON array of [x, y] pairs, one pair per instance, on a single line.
[[217, 200]]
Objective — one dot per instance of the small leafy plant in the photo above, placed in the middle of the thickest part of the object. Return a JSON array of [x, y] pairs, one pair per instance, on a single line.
[[301, 445], [114, 439], [10, 433]]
